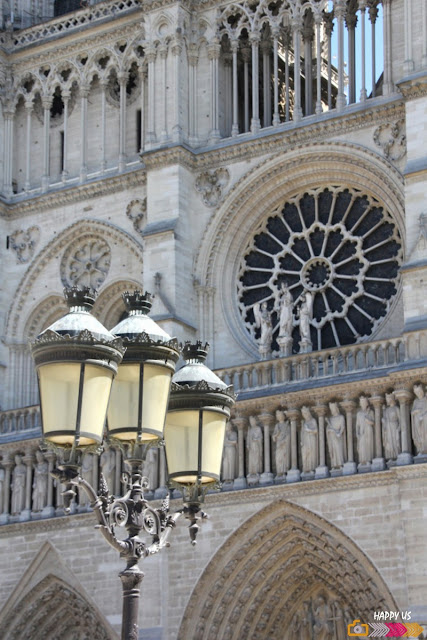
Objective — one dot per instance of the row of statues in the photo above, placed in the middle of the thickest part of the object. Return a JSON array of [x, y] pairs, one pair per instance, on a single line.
[[290, 314], [335, 434], [321, 618]]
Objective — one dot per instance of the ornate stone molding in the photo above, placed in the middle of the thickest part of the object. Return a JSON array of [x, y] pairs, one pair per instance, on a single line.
[[24, 242], [211, 184], [391, 138]]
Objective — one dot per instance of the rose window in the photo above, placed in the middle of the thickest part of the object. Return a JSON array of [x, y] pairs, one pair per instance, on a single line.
[[340, 248], [86, 264]]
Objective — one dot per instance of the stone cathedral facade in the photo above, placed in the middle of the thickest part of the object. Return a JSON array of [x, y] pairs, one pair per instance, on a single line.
[[261, 168]]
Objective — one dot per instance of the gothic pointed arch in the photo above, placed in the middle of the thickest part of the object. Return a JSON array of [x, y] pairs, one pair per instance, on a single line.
[[309, 181], [49, 602], [89, 253], [283, 566]]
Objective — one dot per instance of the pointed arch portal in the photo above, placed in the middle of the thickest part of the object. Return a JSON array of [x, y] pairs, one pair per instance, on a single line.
[[283, 572]]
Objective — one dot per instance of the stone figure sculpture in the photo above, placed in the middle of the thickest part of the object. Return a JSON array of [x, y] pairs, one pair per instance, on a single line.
[[282, 438], [419, 419], [305, 316], [108, 468], [286, 316], [263, 322], [40, 481], [391, 428], [18, 486], [87, 474], [229, 455], [309, 446], [335, 429], [322, 614], [365, 431], [254, 446]]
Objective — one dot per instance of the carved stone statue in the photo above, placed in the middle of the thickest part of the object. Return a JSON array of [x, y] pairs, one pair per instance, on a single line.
[[365, 431], [322, 628], [40, 481], [108, 468], [254, 446], [391, 428], [18, 486], [263, 322], [229, 455], [306, 622], [282, 438], [305, 317], [419, 419], [150, 468], [87, 474], [335, 429], [309, 446], [286, 317]]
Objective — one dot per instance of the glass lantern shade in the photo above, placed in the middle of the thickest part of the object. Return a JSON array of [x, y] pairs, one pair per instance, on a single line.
[[194, 440], [139, 400], [74, 398]]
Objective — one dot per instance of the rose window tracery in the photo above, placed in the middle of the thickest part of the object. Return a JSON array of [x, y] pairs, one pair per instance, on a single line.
[[87, 264], [339, 247]]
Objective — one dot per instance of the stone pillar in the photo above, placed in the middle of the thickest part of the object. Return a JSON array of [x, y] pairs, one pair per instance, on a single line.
[[227, 61], [163, 51], [265, 49], [408, 65], [28, 460], [246, 55], [150, 54], [176, 52], [7, 464], [373, 14], [123, 78], [28, 109], [193, 59], [307, 37], [322, 470], [350, 466], [49, 510], [294, 474], [47, 103], [403, 396], [351, 22], [388, 86], [66, 98], [240, 423], [214, 50], [103, 84], [296, 30], [84, 93], [339, 10], [276, 116], [255, 121], [362, 7], [8, 114], [142, 78], [329, 27], [235, 125], [378, 463], [318, 23], [266, 420]]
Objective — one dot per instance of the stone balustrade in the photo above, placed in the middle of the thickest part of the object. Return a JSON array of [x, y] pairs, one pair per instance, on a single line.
[[18, 423]]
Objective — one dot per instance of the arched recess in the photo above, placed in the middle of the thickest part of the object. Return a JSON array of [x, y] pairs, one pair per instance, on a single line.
[[49, 602], [269, 186], [284, 565]]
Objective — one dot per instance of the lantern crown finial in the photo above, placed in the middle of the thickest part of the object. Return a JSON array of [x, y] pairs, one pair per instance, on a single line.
[[196, 352], [138, 301], [81, 297]]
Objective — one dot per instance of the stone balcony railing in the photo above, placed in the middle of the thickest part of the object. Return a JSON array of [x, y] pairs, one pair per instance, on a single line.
[[326, 367]]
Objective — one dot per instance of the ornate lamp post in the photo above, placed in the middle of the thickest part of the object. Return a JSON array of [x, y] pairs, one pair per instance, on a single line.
[[76, 360]]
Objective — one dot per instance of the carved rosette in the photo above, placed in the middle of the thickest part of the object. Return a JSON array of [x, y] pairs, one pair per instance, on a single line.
[[338, 246], [86, 264]]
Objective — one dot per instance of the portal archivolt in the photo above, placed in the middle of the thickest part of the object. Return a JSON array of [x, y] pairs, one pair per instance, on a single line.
[[283, 572]]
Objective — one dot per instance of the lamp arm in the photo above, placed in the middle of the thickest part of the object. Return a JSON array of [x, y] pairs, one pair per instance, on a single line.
[[162, 539]]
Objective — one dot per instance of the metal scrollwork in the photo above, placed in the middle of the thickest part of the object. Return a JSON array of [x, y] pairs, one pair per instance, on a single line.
[[119, 513]]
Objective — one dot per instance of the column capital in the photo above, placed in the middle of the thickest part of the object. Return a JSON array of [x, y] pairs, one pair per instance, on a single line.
[[214, 50], [84, 90], [7, 461], [234, 45], [29, 104], [47, 102], [254, 37], [403, 395], [321, 409], [176, 46], [150, 53], [122, 77], [240, 422], [28, 458], [266, 418], [163, 50], [376, 401], [348, 405], [363, 5], [292, 413]]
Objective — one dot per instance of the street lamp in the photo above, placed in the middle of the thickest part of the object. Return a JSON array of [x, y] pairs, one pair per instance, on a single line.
[[76, 360]]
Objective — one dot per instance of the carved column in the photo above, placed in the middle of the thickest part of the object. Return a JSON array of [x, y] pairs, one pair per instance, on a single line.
[[163, 51], [404, 397], [349, 466], [142, 78], [7, 464], [8, 114], [240, 423], [294, 474], [193, 59], [28, 109], [227, 60], [276, 116], [46, 103], [339, 9], [408, 65], [351, 22], [246, 55], [329, 27], [66, 99], [307, 36], [255, 121], [123, 78], [388, 86], [235, 125], [176, 52], [318, 23], [322, 470], [150, 54], [84, 93], [214, 50], [296, 30], [265, 50], [28, 460], [362, 7], [373, 14], [266, 420], [378, 463]]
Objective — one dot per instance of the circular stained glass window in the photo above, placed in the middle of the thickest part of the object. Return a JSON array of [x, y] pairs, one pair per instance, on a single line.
[[336, 247]]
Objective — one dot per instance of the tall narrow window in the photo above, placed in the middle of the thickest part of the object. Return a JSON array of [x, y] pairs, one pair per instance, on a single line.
[[138, 131], [62, 149]]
